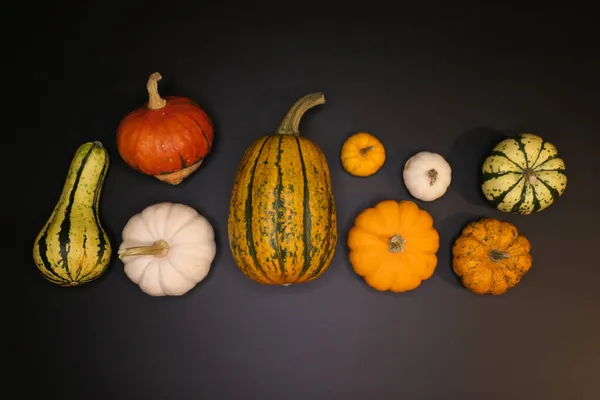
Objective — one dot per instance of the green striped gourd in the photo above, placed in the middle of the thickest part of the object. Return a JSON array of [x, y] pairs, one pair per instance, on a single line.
[[523, 174], [282, 219], [72, 248]]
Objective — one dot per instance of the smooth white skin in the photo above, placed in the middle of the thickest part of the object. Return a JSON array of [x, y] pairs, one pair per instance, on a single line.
[[417, 180], [191, 249]]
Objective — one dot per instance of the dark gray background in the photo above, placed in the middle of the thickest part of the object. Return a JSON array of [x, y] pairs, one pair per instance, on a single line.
[[449, 80]]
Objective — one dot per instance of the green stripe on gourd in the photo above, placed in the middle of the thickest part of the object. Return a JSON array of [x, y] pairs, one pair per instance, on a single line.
[[523, 174]]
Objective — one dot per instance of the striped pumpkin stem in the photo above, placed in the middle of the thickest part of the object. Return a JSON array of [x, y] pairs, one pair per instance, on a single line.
[[154, 100], [291, 122], [160, 248], [529, 175]]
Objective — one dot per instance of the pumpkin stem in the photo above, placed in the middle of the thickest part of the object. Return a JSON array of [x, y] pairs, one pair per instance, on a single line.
[[529, 175], [291, 123], [155, 101], [396, 244], [160, 248], [432, 174], [365, 150], [496, 255]]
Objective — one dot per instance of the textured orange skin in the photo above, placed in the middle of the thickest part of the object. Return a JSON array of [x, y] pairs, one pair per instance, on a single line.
[[471, 256], [167, 139], [370, 254]]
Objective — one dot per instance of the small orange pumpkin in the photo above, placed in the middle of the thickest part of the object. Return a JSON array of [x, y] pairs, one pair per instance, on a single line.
[[393, 246], [490, 256], [362, 154], [166, 138]]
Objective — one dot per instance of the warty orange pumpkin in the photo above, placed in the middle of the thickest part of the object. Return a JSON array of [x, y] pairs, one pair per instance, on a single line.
[[167, 138], [393, 246], [490, 256], [282, 223]]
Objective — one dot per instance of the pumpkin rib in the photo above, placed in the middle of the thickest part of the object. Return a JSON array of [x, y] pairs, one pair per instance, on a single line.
[[249, 212], [307, 218], [277, 224], [521, 146], [500, 198], [551, 153], [533, 165], [552, 157], [486, 176], [198, 157], [330, 211], [501, 154]]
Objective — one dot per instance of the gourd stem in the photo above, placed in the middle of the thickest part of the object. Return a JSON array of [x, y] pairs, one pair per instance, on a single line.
[[396, 244], [529, 175], [432, 174], [496, 255], [291, 123], [365, 150], [154, 100], [160, 248]]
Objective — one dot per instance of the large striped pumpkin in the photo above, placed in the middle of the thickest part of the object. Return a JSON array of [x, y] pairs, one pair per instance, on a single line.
[[73, 248], [282, 220], [523, 174]]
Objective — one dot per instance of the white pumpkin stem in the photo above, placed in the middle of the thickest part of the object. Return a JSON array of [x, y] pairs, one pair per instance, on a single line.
[[432, 174], [155, 101], [291, 123], [396, 244], [365, 150], [160, 248]]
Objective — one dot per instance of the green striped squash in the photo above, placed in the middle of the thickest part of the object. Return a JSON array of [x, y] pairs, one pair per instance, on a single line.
[[282, 219], [523, 174], [72, 248]]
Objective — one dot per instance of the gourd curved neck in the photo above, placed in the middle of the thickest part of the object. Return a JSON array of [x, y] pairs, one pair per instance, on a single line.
[[291, 123]]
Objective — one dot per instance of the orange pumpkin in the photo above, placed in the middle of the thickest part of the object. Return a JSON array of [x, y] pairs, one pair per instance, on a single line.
[[166, 138], [490, 256], [393, 246]]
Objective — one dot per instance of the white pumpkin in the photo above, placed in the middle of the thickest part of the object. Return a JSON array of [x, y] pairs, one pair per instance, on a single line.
[[167, 249], [427, 176]]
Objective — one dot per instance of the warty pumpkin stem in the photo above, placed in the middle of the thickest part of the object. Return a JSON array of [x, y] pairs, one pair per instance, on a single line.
[[529, 175], [496, 255], [160, 248], [291, 123], [154, 101], [363, 151]]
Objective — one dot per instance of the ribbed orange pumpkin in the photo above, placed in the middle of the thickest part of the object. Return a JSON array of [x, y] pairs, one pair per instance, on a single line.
[[394, 245], [166, 138]]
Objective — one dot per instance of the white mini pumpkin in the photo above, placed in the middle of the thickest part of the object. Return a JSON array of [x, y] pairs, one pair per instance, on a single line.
[[427, 176], [167, 249]]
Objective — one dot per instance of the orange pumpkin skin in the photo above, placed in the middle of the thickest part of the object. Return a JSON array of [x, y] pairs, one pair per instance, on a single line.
[[490, 256], [166, 138], [393, 246]]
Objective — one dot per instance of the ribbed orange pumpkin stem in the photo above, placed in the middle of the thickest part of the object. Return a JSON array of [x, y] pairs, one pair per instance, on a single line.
[[291, 122], [155, 101], [160, 248]]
